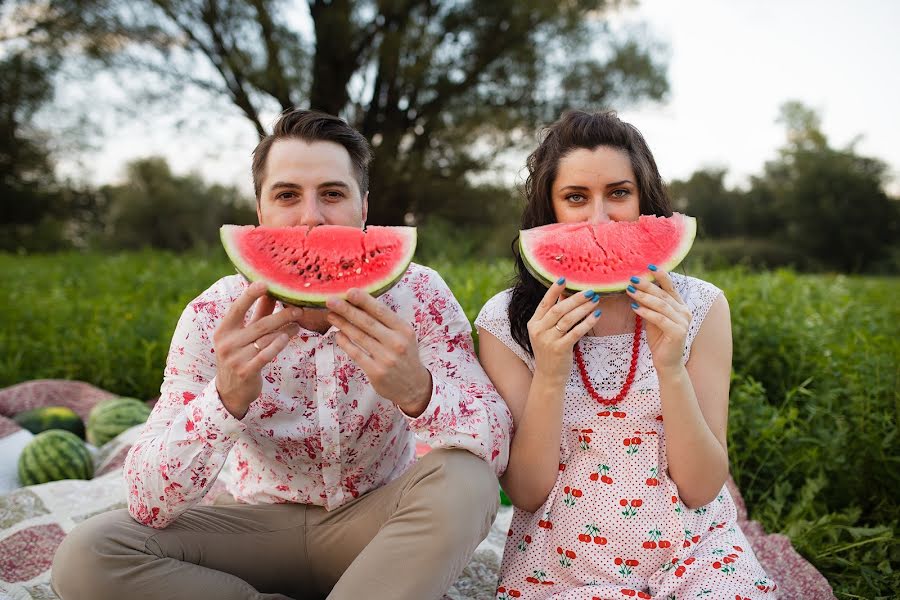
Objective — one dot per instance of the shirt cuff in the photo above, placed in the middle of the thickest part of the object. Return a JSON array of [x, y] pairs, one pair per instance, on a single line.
[[211, 420], [428, 421]]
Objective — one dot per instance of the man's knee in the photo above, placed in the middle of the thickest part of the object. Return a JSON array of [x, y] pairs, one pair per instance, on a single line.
[[468, 492], [84, 565]]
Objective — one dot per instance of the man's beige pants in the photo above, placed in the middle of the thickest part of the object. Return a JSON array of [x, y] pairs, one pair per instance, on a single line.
[[407, 540]]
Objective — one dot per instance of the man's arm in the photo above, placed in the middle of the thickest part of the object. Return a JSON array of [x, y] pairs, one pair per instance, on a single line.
[[189, 434]]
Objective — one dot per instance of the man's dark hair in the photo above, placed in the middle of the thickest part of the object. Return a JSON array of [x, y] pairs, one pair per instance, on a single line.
[[313, 126]]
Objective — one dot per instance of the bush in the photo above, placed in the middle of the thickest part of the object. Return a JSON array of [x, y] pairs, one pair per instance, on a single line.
[[814, 400]]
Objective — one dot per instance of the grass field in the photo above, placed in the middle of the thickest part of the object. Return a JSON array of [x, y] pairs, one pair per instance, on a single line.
[[814, 402]]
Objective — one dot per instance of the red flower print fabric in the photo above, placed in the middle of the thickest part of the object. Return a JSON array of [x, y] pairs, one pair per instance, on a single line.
[[318, 434]]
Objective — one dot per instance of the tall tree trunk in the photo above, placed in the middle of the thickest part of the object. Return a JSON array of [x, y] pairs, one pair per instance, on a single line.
[[334, 63]]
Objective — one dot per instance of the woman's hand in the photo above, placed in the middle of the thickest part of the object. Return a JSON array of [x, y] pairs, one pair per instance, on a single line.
[[667, 318], [556, 327]]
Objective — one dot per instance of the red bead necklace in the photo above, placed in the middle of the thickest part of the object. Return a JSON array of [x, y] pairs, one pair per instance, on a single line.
[[635, 346]]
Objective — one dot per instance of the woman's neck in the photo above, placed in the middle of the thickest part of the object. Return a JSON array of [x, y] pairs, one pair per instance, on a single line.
[[617, 317]]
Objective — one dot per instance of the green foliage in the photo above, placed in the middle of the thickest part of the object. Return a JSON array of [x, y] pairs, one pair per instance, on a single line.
[[158, 209], [813, 426], [813, 417]]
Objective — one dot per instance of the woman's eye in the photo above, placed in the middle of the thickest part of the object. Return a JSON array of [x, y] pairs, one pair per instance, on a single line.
[[576, 198], [620, 193]]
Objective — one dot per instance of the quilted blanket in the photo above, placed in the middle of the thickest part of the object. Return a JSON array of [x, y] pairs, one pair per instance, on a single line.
[[35, 519]]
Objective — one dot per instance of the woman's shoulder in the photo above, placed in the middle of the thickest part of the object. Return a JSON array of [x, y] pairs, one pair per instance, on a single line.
[[696, 292], [496, 309]]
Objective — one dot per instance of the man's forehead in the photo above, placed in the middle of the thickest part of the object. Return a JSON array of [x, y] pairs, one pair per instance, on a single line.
[[297, 161]]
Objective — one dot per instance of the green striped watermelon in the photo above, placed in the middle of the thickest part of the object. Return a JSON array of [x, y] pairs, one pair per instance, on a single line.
[[111, 417], [41, 419], [53, 455]]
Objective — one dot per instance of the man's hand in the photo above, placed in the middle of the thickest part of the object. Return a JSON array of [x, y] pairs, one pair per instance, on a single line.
[[384, 347], [242, 352]]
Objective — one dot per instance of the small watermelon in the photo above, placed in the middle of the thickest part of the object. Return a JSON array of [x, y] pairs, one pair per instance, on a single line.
[[604, 256], [41, 419], [53, 455], [304, 266], [111, 417]]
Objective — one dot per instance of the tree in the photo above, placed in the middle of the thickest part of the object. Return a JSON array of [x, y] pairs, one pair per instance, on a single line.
[[31, 203], [437, 86], [705, 197], [158, 209], [830, 203]]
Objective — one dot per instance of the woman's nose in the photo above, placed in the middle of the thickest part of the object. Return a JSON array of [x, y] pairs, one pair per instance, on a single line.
[[598, 212]]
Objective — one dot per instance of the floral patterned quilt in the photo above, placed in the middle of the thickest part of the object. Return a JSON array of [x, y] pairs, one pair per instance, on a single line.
[[35, 519]]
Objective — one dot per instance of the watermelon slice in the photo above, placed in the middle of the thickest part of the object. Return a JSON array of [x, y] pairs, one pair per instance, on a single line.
[[603, 256], [304, 266]]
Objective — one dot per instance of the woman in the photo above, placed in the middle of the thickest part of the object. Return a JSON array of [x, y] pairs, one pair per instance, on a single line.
[[620, 402]]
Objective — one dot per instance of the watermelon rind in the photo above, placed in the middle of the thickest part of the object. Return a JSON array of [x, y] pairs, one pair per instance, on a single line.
[[667, 263], [298, 297], [111, 417], [44, 418], [53, 455]]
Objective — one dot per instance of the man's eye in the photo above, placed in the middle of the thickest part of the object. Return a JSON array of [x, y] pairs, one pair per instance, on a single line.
[[286, 196], [334, 195]]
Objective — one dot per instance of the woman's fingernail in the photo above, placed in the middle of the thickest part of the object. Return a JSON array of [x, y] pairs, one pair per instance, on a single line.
[[635, 305], [596, 298], [651, 267], [561, 280], [589, 293], [631, 289], [635, 279], [597, 312]]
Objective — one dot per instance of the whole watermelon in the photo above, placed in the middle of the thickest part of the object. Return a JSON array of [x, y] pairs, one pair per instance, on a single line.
[[41, 419], [53, 455], [111, 417]]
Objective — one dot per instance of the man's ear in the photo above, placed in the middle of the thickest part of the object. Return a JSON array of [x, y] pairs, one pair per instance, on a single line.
[[365, 208]]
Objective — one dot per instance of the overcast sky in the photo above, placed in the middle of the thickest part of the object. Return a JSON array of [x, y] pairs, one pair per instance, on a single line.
[[732, 63]]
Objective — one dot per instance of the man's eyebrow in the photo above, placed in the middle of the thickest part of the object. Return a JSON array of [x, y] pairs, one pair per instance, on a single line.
[[334, 184], [285, 184]]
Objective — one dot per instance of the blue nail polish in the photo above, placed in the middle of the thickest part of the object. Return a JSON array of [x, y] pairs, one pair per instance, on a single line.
[[561, 280], [651, 267], [635, 305], [589, 293], [631, 289], [635, 279], [596, 298], [597, 312]]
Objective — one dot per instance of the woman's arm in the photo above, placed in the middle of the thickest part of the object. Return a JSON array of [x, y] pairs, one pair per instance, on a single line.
[[536, 401], [694, 396], [695, 411]]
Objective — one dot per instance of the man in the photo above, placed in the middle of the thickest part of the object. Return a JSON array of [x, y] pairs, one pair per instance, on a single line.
[[315, 410]]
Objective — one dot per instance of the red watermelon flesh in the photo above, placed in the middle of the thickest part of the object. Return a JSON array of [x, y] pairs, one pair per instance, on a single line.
[[604, 256], [305, 266]]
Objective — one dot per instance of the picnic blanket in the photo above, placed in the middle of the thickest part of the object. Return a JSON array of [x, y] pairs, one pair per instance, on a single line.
[[35, 519]]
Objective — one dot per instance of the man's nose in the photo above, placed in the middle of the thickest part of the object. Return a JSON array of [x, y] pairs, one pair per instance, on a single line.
[[311, 213]]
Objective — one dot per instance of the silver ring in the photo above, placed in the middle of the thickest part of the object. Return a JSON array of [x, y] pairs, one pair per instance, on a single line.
[[255, 345], [556, 327]]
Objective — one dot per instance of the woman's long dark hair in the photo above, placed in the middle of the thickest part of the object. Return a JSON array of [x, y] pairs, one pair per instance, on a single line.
[[576, 129]]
